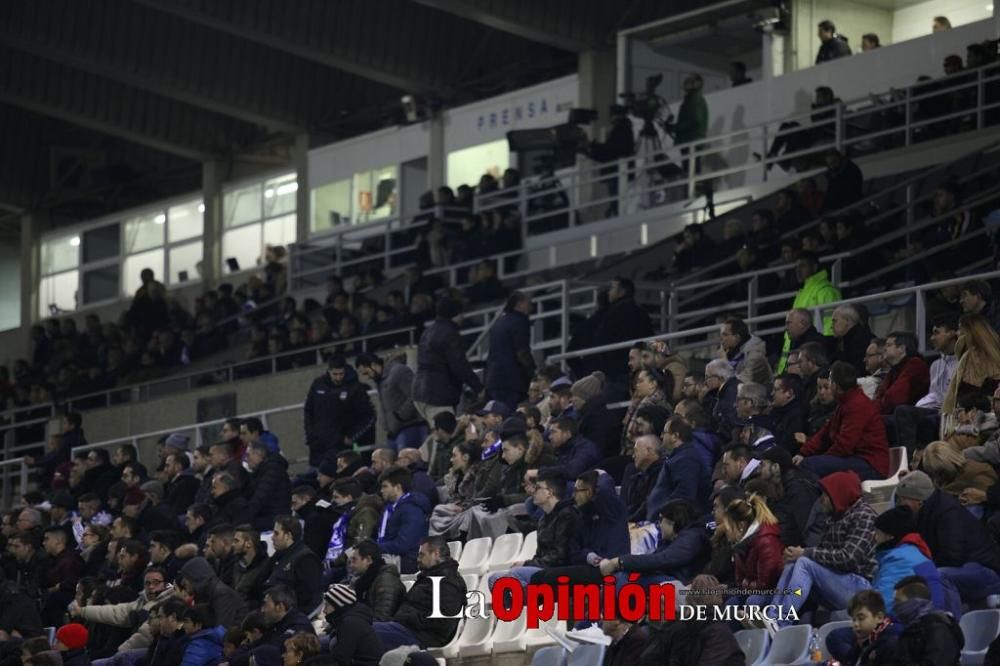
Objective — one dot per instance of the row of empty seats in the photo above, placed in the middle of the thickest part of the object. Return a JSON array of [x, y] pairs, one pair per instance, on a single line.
[[790, 646]]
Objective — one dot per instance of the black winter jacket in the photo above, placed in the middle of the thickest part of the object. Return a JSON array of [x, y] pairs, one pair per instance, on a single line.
[[933, 640], [381, 589], [357, 643], [300, 569], [419, 603], [442, 368], [510, 349], [555, 532], [953, 535], [333, 413], [270, 492]]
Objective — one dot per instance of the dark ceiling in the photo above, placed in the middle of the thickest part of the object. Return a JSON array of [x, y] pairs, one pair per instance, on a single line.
[[114, 103]]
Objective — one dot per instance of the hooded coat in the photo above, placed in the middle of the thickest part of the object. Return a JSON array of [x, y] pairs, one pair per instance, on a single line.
[[395, 396], [750, 362], [910, 556], [405, 527], [204, 647], [227, 606], [848, 544]]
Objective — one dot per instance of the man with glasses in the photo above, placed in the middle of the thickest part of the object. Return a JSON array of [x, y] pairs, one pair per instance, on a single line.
[[556, 529], [130, 614]]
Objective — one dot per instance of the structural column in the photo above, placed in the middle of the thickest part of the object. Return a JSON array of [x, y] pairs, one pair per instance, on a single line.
[[30, 273], [300, 162], [211, 187], [436, 159]]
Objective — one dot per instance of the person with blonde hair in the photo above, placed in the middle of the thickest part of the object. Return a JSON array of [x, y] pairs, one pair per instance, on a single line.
[[757, 553], [978, 371], [952, 472], [300, 648]]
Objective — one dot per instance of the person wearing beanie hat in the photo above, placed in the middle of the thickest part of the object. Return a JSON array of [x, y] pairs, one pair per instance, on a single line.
[[597, 423], [71, 642], [587, 388], [177, 441], [961, 546], [510, 364], [442, 368], [351, 622], [843, 562]]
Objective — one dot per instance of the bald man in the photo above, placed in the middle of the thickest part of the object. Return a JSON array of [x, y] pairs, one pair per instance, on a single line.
[[799, 330]]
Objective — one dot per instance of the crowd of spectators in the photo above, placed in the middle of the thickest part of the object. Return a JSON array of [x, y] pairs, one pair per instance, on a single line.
[[746, 475]]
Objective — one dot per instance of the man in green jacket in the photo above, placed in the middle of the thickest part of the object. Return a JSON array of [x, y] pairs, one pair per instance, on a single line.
[[692, 118], [816, 290]]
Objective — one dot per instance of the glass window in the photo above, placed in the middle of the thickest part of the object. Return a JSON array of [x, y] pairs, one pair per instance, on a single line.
[[375, 194], [144, 233], [279, 195], [101, 243], [59, 292], [243, 245], [183, 261], [279, 231], [135, 264], [466, 166], [241, 206], [100, 284], [186, 220], [59, 254], [331, 206]]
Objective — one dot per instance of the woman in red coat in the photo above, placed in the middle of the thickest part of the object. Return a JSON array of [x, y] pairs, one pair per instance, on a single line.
[[757, 555]]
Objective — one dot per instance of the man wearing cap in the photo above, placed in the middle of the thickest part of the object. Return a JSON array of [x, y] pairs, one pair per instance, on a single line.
[[800, 490], [961, 546], [561, 400], [854, 437], [844, 561], [338, 412], [442, 368], [510, 365], [351, 623], [493, 414]]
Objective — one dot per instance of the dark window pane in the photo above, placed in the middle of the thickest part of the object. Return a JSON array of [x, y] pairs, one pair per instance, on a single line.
[[100, 243], [100, 284]]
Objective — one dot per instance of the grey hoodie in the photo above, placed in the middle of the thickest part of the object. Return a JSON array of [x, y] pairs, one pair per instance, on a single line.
[[229, 607], [750, 364]]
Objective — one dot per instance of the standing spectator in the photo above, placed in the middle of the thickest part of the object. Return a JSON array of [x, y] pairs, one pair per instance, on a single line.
[[413, 623], [625, 320], [870, 42], [510, 366], [442, 368], [394, 381], [854, 437], [294, 565], [908, 378], [844, 182], [816, 290], [338, 413], [832, 45], [692, 117]]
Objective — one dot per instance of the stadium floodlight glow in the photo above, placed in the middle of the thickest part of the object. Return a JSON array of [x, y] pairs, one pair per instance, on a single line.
[[160, 219], [268, 193], [74, 241], [201, 208]]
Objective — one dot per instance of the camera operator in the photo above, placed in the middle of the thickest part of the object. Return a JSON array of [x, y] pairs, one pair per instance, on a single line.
[[692, 118], [620, 143]]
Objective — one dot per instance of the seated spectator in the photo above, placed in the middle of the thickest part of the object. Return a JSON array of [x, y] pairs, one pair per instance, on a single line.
[[832, 44], [720, 397], [574, 453], [682, 475], [843, 562], [251, 565], [204, 637], [788, 411], [269, 489], [908, 377], [854, 437], [486, 287], [757, 555], [955, 473], [798, 492], [641, 475], [182, 484], [961, 546], [746, 353], [978, 370], [293, 564], [793, 140], [683, 549], [71, 643], [816, 290], [438, 448], [929, 636], [199, 582], [976, 297], [412, 623], [974, 421], [559, 522], [852, 336], [284, 616], [375, 582], [351, 623], [872, 638], [404, 519]]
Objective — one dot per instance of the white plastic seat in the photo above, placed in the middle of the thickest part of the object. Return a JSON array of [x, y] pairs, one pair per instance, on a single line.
[[586, 655], [549, 656], [476, 556], [979, 628], [529, 547], [477, 637], [510, 636], [471, 582], [538, 636], [754, 643], [898, 462], [449, 651], [456, 549], [790, 645], [506, 551], [823, 632]]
